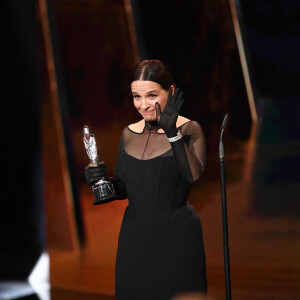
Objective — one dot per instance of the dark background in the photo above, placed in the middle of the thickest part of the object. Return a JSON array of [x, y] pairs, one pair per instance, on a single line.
[[95, 60]]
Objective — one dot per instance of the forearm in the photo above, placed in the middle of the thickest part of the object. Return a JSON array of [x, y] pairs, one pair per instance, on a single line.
[[189, 165]]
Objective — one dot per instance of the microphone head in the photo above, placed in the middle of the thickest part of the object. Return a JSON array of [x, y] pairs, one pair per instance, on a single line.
[[224, 124]]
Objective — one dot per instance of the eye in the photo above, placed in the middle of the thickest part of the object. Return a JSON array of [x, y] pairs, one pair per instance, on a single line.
[[136, 96], [152, 96]]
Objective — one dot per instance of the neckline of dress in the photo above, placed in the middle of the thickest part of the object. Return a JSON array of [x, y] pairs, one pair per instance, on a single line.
[[151, 126], [155, 130]]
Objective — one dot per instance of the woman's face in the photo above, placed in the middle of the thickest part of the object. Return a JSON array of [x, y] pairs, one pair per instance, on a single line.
[[145, 94]]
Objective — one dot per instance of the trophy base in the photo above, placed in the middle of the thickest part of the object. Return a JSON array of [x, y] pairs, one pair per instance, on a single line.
[[103, 191]]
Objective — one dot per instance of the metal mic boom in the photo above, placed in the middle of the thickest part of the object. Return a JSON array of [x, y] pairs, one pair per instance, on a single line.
[[224, 213]]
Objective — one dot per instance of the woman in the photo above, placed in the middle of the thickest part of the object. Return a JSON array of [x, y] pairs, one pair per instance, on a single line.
[[160, 250]]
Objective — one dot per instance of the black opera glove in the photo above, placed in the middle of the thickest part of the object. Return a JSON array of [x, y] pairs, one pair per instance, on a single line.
[[167, 119], [94, 174]]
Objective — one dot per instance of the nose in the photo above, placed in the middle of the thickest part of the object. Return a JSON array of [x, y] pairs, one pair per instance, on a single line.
[[145, 105]]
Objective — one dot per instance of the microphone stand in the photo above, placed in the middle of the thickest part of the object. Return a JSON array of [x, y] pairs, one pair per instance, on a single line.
[[224, 212]]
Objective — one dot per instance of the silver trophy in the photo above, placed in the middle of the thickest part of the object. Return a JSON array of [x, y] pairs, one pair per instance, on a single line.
[[103, 189]]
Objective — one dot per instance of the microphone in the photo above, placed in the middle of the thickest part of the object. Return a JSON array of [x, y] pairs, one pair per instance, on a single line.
[[224, 212], [223, 127], [225, 121]]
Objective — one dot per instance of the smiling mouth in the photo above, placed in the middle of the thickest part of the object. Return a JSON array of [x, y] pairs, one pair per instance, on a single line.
[[148, 112]]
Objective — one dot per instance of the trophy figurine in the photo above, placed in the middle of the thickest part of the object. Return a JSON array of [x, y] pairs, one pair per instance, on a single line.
[[103, 189]]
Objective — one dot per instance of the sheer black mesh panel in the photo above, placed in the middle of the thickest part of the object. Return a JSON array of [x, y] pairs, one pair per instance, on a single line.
[[189, 152]]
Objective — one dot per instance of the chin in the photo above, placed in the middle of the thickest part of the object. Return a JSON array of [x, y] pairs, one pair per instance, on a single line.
[[149, 118]]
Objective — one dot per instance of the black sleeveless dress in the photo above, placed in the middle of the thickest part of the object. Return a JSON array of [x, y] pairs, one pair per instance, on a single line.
[[160, 250]]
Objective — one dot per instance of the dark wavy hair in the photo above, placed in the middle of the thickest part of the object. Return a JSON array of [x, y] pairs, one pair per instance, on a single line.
[[153, 70]]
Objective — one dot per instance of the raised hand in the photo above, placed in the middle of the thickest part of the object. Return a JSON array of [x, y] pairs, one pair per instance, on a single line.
[[167, 119]]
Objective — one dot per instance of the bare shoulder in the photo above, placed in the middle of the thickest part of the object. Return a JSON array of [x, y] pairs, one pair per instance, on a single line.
[[137, 127], [181, 120], [192, 128]]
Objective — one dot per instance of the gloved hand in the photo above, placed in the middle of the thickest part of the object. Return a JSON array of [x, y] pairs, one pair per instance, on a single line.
[[167, 119], [94, 173]]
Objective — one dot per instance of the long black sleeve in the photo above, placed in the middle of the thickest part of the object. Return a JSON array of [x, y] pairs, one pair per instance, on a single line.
[[118, 183], [190, 152]]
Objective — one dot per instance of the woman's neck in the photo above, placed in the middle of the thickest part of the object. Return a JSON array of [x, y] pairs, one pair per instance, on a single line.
[[151, 125]]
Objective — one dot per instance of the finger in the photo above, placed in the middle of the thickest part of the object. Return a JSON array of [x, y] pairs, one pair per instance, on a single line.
[[179, 104], [170, 97], [177, 92], [158, 111], [93, 177], [91, 165], [96, 172], [179, 101], [175, 97]]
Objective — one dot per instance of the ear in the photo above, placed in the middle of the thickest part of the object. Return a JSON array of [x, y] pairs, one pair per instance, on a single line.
[[173, 89]]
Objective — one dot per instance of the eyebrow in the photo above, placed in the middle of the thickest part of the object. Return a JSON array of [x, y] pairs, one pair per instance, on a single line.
[[153, 91]]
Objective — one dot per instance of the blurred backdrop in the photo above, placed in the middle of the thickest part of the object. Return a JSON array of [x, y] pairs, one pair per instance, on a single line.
[[67, 63]]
